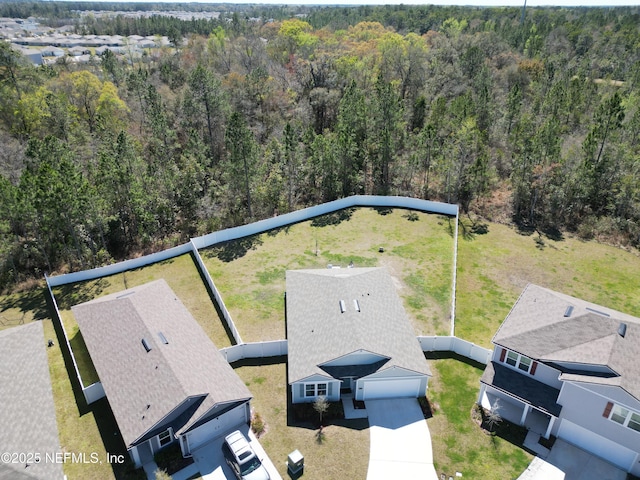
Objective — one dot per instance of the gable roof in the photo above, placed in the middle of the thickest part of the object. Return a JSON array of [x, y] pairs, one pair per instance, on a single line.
[[27, 412], [142, 386], [318, 331], [542, 326]]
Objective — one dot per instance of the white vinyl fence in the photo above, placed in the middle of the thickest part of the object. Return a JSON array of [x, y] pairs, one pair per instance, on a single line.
[[275, 348], [93, 392], [456, 345]]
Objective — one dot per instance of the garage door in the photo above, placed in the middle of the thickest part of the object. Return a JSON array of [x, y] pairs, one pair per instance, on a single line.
[[396, 388], [604, 448], [216, 427]]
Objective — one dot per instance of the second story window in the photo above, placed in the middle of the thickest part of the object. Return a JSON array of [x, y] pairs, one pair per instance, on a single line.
[[518, 361]]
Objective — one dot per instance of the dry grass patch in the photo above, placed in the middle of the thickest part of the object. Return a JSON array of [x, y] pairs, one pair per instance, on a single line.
[[418, 251], [344, 450]]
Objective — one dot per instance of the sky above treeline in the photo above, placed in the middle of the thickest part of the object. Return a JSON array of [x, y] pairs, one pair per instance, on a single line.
[[473, 3]]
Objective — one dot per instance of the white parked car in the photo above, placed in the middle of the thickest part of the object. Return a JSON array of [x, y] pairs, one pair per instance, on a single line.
[[242, 459]]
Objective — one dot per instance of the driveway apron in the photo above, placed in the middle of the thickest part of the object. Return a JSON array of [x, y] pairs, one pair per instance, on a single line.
[[400, 441]]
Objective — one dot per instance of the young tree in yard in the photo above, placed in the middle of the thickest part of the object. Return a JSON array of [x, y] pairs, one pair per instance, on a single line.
[[321, 405]]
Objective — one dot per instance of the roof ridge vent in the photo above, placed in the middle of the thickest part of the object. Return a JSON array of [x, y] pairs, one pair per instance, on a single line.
[[622, 329], [568, 311]]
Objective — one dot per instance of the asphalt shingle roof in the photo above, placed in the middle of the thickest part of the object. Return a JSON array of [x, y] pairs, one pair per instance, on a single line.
[[143, 387], [543, 327], [317, 330], [27, 412], [526, 388]]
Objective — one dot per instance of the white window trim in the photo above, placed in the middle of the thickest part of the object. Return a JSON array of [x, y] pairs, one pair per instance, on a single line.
[[518, 361], [316, 389], [625, 423], [170, 437]]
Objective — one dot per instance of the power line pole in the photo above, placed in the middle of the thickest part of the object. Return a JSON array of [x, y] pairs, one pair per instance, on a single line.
[[523, 11]]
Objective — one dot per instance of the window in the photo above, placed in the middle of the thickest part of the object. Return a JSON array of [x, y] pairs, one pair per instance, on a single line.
[[310, 390], [619, 414], [165, 437], [634, 422], [315, 390], [519, 361], [622, 416]]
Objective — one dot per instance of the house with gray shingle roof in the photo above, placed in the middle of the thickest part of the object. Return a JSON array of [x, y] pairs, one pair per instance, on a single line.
[[163, 377], [347, 331], [27, 411], [569, 368]]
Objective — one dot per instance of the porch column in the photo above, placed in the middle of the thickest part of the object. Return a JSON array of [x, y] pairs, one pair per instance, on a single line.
[[525, 412], [483, 388], [551, 422]]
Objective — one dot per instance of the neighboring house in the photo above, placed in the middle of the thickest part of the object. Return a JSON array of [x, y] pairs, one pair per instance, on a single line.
[[347, 330], [27, 412], [565, 367], [163, 377]]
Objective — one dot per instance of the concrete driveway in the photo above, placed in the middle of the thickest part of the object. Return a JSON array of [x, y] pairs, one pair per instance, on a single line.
[[210, 462], [566, 462], [400, 441]]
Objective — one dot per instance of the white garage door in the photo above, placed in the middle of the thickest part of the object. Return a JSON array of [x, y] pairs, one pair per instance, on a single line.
[[216, 427], [602, 447], [395, 388]]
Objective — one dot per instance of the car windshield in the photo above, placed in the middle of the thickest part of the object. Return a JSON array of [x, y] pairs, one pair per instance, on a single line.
[[250, 466]]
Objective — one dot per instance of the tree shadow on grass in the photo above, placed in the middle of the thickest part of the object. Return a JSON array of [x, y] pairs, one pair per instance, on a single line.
[[234, 249], [469, 228], [81, 292], [31, 301], [275, 231], [334, 218], [383, 210]]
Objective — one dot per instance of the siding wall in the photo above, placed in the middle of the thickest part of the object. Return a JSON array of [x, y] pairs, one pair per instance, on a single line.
[[585, 407]]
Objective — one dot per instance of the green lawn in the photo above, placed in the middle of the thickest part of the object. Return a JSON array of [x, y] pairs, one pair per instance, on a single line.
[[495, 263], [182, 276], [459, 445], [344, 450], [494, 268], [418, 252]]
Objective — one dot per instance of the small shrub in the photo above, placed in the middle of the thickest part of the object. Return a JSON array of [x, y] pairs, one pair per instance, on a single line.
[[257, 425]]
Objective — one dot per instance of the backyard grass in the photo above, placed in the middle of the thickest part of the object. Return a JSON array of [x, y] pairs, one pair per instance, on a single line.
[[495, 262], [344, 450], [418, 252], [182, 276], [459, 445], [494, 267]]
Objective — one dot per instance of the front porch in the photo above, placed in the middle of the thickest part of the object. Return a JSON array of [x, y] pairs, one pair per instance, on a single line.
[[526, 402]]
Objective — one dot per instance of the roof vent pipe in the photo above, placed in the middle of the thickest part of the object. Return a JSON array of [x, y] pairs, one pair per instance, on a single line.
[[343, 306], [622, 329], [568, 311]]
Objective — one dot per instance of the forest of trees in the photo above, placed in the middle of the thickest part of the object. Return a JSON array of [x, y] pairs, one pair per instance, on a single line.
[[535, 122]]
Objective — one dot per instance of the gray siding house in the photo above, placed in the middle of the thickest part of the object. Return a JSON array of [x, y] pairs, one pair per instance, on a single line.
[[163, 377], [565, 367], [348, 331], [27, 411]]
